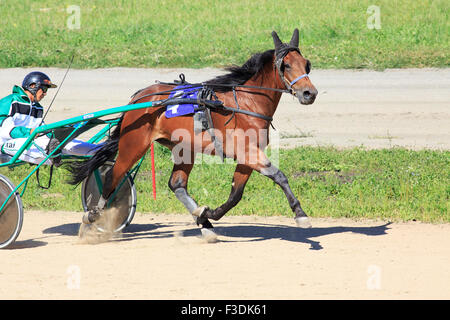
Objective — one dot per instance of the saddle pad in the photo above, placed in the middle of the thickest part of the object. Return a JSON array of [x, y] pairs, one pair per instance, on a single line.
[[176, 110]]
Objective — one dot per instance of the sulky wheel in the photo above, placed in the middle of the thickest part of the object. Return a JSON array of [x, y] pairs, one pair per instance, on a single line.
[[124, 201], [11, 216]]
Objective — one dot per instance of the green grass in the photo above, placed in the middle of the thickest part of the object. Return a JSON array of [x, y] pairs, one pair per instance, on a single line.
[[394, 184], [202, 33]]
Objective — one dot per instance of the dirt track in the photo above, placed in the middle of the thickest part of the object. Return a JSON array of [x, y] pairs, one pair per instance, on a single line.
[[162, 256]]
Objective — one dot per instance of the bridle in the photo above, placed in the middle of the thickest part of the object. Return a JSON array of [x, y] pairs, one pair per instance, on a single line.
[[279, 56], [279, 61]]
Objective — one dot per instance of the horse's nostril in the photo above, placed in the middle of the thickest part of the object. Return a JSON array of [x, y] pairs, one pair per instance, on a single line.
[[306, 94]]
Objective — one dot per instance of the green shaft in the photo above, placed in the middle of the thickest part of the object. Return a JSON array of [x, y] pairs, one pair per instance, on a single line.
[[58, 124], [78, 119], [33, 171]]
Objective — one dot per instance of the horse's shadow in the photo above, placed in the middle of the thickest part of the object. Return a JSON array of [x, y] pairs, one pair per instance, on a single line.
[[133, 231], [26, 244], [72, 229], [262, 232], [68, 229], [244, 232]]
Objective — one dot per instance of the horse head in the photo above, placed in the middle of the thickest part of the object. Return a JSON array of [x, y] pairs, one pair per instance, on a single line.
[[294, 69]]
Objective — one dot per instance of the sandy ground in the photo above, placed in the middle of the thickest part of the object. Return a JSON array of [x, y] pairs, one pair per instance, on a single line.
[[163, 256]]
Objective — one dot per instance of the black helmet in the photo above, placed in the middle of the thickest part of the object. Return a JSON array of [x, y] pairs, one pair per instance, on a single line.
[[38, 78]]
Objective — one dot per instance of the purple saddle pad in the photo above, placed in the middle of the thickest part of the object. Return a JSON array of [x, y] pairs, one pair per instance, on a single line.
[[176, 110]]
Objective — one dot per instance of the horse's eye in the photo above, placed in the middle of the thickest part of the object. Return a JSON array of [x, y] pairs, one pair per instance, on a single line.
[[308, 66], [287, 65]]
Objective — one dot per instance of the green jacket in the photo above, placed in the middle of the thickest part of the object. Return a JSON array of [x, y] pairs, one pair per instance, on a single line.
[[18, 115]]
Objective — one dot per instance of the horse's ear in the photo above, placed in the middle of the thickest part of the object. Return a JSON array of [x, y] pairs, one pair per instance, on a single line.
[[276, 41], [294, 40]]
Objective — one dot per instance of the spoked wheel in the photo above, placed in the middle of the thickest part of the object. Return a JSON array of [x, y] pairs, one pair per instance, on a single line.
[[11, 216], [124, 200]]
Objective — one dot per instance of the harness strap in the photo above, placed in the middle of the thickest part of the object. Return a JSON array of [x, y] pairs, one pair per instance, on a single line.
[[208, 84], [49, 179], [246, 86], [249, 113], [215, 104], [208, 103], [237, 105]]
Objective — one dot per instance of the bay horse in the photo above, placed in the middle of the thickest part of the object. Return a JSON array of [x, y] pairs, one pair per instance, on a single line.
[[255, 88]]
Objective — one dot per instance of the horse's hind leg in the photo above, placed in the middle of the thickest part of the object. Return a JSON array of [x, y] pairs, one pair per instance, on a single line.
[[124, 162], [240, 178], [178, 184]]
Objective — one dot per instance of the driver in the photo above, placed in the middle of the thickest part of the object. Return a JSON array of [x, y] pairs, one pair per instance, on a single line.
[[21, 113]]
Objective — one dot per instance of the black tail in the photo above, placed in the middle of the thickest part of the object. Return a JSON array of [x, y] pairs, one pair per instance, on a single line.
[[80, 170]]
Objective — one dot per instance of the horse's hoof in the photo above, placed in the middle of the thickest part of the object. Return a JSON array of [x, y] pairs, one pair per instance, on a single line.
[[209, 235], [90, 217], [199, 215], [199, 211], [303, 222], [84, 229], [85, 219]]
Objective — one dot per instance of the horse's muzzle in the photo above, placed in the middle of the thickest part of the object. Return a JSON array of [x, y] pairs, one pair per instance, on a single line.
[[307, 95]]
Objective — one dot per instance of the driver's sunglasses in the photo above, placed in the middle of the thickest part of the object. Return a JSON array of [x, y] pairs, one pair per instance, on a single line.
[[44, 89]]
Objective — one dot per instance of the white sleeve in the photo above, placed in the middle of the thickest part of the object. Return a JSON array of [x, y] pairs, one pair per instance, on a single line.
[[6, 127]]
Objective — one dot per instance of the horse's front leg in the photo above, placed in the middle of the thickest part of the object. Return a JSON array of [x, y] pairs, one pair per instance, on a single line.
[[266, 168], [240, 178]]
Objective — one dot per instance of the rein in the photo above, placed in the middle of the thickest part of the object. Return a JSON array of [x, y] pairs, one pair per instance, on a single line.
[[250, 87], [213, 104], [208, 103], [218, 104]]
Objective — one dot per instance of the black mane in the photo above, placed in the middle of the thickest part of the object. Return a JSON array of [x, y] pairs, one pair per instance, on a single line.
[[239, 75]]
